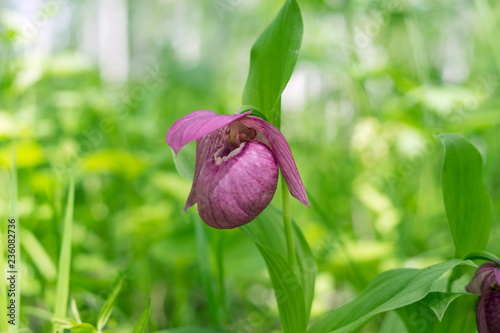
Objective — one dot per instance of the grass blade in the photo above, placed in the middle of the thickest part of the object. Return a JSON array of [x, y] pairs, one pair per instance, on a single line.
[[107, 308], [38, 255], [62, 289], [143, 322], [74, 311], [83, 328]]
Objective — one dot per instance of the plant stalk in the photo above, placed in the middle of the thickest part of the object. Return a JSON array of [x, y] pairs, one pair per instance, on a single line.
[[287, 221]]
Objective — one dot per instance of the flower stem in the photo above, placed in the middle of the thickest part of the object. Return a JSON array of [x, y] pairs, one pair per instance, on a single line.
[[287, 221]]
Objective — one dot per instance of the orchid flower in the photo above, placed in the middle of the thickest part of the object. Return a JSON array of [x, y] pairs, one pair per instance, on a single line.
[[237, 161], [486, 282]]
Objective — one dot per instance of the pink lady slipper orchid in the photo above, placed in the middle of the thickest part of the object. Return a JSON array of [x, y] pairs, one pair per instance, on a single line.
[[237, 160], [486, 282]]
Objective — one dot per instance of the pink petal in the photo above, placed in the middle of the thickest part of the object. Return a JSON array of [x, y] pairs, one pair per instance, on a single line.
[[271, 136], [205, 149], [196, 125], [234, 191]]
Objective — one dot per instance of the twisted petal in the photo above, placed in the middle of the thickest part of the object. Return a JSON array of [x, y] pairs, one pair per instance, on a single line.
[[477, 285], [196, 125], [486, 282], [271, 136]]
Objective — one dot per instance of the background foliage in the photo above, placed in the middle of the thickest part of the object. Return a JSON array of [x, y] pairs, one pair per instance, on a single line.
[[91, 88]]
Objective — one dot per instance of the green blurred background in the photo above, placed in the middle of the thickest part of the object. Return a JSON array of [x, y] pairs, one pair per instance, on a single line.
[[91, 87]]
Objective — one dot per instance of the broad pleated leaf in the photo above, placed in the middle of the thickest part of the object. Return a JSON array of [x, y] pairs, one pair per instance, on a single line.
[[272, 60], [388, 291], [288, 291], [465, 197], [392, 323], [294, 288], [459, 316], [204, 268], [438, 302]]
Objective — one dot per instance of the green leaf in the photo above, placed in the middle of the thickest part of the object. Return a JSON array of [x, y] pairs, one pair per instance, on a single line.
[[204, 267], [194, 330], [83, 328], [438, 302], [63, 321], [74, 311], [307, 268], [392, 323], [388, 291], [460, 316], [143, 322], [288, 291], [107, 308], [294, 288], [465, 197], [272, 60]]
